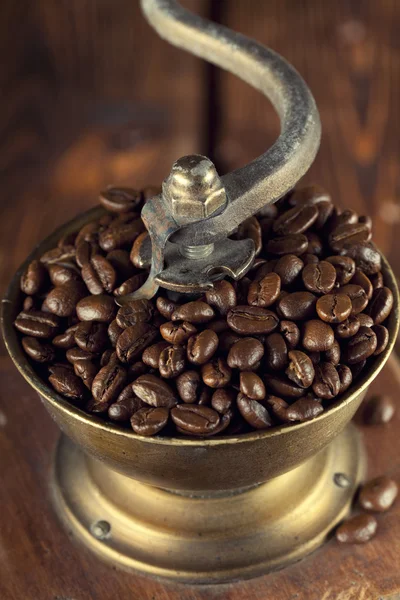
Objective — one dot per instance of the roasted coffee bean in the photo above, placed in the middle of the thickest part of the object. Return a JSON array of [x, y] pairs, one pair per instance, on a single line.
[[87, 371], [130, 285], [310, 259], [380, 305], [290, 333], [135, 311], [357, 530], [88, 233], [263, 270], [296, 220], [376, 280], [334, 308], [76, 354], [276, 353], [289, 244], [326, 383], [245, 354], [222, 296], [193, 312], [226, 341], [282, 386], [126, 405], [365, 256], [289, 268], [223, 400], [348, 328], [66, 383], [97, 308], [137, 256], [37, 323], [277, 407], [37, 350], [34, 278], [309, 194], [379, 494], [177, 333], [119, 235], [29, 304], [62, 300], [252, 386], [149, 421], [107, 385], [85, 251], [348, 233], [205, 396], [189, 386], [333, 354], [63, 273], [66, 340], [119, 260], [382, 338], [361, 346], [201, 347], [166, 307], [120, 200], [134, 340], [91, 336], [251, 228], [253, 412], [297, 306], [357, 296], [365, 320], [317, 336], [99, 275], [345, 377], [265, 291], [325, 211], [252, 320], [300, 369], [304, 409], [218, 326], [344, 266], [114, 331], [319, 278], [359, 278], [217, 373], [195, 420], [172, 361], [379, 410], [154, 391], [106, 356], [151, 355], [58, 255], [315, 245], [357, 368]]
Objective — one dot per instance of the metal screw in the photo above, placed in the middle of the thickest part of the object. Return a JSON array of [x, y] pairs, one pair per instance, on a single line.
[[341, 480], [100, 529]]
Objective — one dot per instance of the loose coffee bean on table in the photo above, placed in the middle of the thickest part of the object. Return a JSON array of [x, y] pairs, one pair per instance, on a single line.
[[357, 530], [378, 494], [379, 410], [276, 347]]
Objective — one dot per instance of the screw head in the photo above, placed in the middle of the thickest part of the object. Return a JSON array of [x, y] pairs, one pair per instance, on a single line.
[[341, 480], [100, 529], [194, 189]]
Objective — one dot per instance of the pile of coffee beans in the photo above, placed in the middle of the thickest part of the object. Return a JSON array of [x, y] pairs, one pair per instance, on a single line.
[[276, 347]]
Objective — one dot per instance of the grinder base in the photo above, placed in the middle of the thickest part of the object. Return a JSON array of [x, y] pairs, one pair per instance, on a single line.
[[210, 537]]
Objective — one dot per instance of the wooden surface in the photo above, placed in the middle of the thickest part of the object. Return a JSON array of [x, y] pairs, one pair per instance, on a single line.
[[91, 96]]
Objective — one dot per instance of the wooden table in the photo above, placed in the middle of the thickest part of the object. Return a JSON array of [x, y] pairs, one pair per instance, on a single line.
[[91, 96]]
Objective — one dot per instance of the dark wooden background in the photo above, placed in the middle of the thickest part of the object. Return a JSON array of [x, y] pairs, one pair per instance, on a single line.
[[91, 96]]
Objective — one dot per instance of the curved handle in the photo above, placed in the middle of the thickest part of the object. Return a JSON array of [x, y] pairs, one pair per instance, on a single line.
[[271, 175]]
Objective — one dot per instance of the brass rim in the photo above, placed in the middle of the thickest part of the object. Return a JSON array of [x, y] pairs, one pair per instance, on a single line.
[[11, 301]]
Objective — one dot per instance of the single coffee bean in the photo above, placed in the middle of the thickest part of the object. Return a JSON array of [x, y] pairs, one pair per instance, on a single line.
[[36, 323], [245, 354], [348, 233], [136, 255], [297, 306], [334, 308], [265, 291], [34, 278], [106, 356], [251, 228], [66, 340], [66, 383], [119, 260], [120, 200], [99, 275], [359, 278], [172, 361], [253, 412], [365, 256], [29, 304], [345, 377], [317, 336], [357, 530], [85, 251], [251, 385], [135, 311], [119, 235], [189, 386], [134, 340], [326, 383], [379, 494], [87, 371], [382, 338], [177, 333], [290, 333], [289, 244], [194, 312], [380, 305], [91, 336], [222, 296], [88, 233], [166, 307], [217, 373], [300, 369], [296, 220], [114, 331], [315, 245], [376, 280], [96, 308], [195, 420], [276, 353], [348, 328], [251, 320], [319, 278], [277, 407], [345, 268], [223, 400], [107, 385], [151, 355], [62, 300], [361, 346], [201, 347], [357, 296], [281, 386], [154, 391], [304, 409], [76, 354], [58, 255], [130, 285], [379, 410], [149, 421], [126, 405], [365, 320], [64, 273], [333, 354], [310, 259], [37, 350], [289, 268]]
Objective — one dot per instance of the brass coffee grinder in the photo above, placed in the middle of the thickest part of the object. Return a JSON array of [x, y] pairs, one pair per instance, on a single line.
[[223, 508]]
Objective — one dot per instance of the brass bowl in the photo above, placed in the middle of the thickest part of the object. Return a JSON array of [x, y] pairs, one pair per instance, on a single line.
[[218, 467]]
